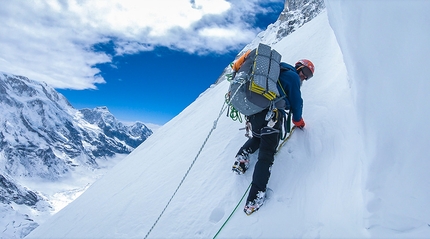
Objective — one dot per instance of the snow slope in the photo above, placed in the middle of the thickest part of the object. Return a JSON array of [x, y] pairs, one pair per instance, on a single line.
[[387, 54], [321, 177]]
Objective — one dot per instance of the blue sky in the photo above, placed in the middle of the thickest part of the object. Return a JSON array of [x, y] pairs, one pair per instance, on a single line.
[[145, 62], [151, 86]]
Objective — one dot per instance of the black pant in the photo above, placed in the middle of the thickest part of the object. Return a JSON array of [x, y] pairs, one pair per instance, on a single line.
[[266, 139]]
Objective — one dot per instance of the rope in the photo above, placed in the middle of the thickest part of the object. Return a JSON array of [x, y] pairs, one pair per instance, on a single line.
[[286, 139], [198, 154], [192, 164], [223, 108], [234, 210]]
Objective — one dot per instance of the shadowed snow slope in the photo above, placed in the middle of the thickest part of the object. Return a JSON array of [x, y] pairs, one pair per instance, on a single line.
[[385, 45], [319, 179]]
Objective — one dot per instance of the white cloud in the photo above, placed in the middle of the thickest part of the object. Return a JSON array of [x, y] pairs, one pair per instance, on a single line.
[[52, 40]]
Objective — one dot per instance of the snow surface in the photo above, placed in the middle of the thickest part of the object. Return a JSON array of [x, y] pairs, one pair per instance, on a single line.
[[387, 53], [353, 172]]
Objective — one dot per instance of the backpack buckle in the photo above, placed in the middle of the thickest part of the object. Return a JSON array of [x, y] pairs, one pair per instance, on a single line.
[[269, 115], [272, 117]]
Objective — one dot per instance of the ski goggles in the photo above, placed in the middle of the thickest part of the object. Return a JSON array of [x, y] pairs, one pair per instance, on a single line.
[[306, 72]]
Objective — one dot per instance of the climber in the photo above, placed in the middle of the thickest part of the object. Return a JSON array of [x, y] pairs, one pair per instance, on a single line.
[[266, 134]]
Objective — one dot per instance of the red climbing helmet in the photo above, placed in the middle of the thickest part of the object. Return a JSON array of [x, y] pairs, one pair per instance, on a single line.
[[307, 68]]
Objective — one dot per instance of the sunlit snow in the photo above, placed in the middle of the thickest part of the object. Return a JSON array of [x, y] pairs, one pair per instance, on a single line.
[[359, 169]]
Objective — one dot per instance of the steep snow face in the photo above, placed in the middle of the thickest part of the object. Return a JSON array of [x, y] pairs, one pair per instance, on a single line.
[[385, 47], [30, 123], [316, 178]]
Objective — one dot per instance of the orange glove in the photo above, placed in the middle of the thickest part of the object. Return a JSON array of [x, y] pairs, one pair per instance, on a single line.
[[300, 123]]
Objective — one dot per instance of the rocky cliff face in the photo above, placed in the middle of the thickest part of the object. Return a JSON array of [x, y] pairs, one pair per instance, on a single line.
[[296, 13], [42, 137]]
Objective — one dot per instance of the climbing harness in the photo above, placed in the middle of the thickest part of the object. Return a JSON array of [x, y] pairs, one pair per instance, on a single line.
[[240, 201]]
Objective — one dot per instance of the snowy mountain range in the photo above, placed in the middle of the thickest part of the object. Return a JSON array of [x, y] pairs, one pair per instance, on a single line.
[[42, 137]]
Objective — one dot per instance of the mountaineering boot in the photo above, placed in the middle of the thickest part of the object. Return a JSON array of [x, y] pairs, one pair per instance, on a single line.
[[254, 205], [241, 163]]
